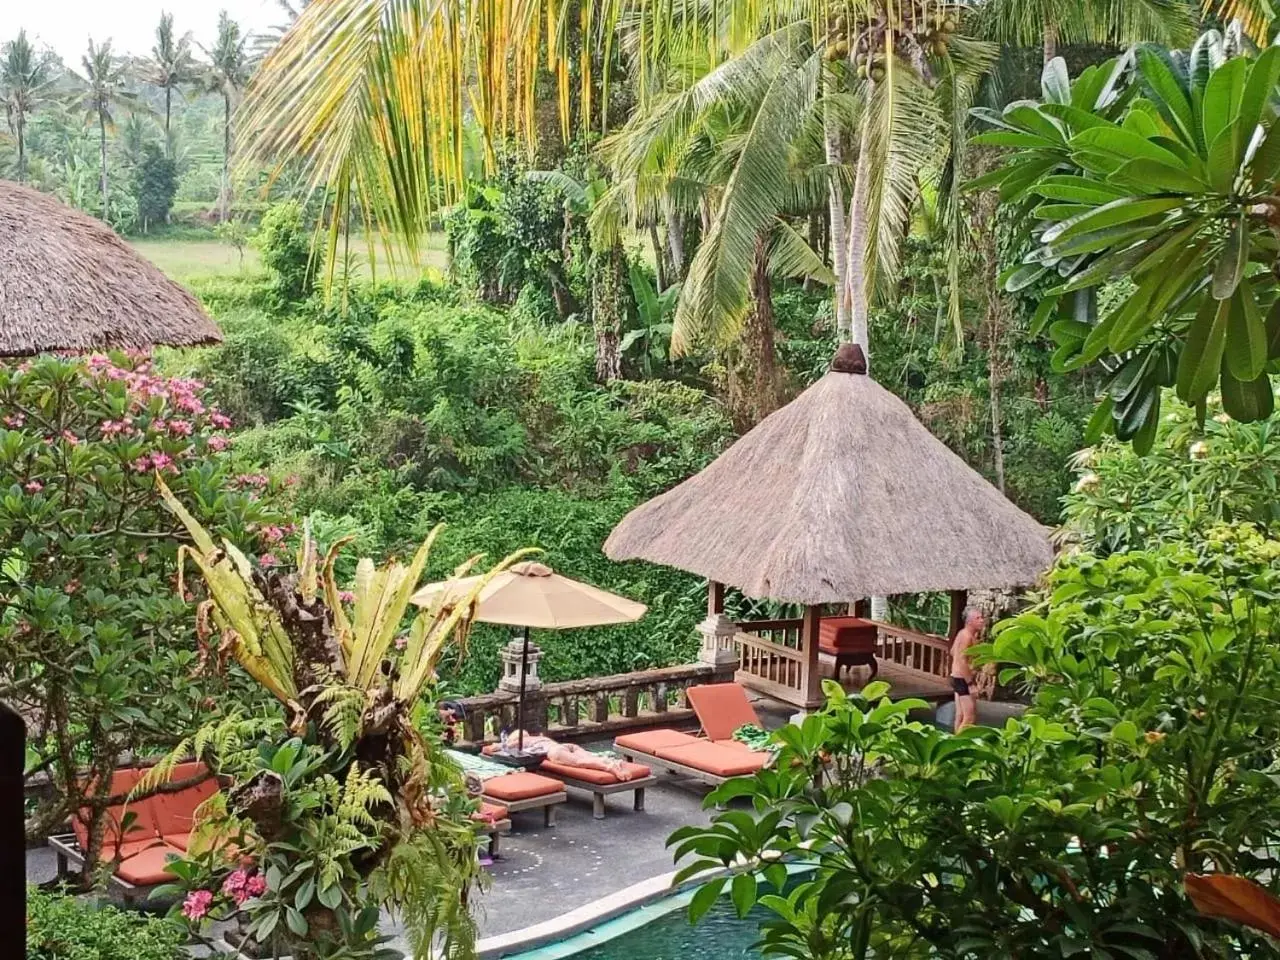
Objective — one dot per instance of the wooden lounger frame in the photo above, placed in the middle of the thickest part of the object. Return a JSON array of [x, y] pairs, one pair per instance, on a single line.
[[599, 791], [547, 802], [493, 831]]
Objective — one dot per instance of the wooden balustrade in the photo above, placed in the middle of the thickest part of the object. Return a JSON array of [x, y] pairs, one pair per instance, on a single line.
[[922, 652], [590, 708], [783, 633], [770, 667]]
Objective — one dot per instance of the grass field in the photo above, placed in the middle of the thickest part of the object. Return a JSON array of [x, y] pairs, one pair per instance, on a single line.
[[184, 259]]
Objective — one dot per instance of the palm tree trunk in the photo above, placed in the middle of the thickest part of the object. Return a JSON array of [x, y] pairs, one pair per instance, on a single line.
[[994, 374], [607, 306], [761, 339], [21, 125], [1050, 41], [675, 240], [102, 146], [224, 200], [856, 269], [835, 204], [168, 96], [659, 260]]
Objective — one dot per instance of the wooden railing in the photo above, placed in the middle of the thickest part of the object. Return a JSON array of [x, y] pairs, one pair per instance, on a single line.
[[771, 667], [782, 633], [590, 708], [922, 652]]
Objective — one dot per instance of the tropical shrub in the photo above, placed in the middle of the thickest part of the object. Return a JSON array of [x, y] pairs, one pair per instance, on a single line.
[[1194, 478], [93, 641], [284, 244], [338, 803], [61, 927], [154, 183], [1147, 754], [1158, 168]]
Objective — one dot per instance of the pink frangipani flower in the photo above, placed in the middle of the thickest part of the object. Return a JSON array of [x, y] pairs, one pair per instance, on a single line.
[[196, 905]]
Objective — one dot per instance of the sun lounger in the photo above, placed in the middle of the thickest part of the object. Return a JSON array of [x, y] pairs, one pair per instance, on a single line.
[[526, 791], [695, 757], [599, 783], [721, 709], [159, 829]]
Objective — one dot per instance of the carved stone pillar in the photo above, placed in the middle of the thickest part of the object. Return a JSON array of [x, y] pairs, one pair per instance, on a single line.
[[718, 648]]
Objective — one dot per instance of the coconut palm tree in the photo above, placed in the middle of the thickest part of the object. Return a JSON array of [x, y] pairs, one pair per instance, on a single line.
[[103, 91], [26, 82], [1256, 17], [1049, 22], [172, 66], [229, 69]]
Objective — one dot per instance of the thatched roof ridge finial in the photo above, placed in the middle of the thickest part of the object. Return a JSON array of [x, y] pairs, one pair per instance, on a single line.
[[849, 358], [68, 282]]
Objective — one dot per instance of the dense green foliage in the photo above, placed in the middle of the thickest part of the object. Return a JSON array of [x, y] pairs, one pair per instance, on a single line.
[[60, 927], [1147, 754], [1161, 174], [155, 182], [285, 246]]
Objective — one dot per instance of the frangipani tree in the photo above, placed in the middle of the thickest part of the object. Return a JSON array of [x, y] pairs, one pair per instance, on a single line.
[[346, 805], [1155, 173]]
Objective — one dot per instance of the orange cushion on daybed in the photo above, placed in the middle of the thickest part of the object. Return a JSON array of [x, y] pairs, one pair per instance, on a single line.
[[714, 759], [521, 786], [721, 708], [590, 775], [149, 866], [650, 741]]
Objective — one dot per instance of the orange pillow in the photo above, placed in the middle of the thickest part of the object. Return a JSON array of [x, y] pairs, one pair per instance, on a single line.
[[520, 786], [149, 867]]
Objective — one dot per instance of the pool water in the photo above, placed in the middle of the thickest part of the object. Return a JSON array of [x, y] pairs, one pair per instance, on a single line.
[[719, 935]]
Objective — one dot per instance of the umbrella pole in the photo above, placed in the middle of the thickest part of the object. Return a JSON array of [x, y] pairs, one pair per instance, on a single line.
[[524, 669]]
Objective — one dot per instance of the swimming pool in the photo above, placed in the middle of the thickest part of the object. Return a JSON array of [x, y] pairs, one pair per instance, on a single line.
[[659, 930]]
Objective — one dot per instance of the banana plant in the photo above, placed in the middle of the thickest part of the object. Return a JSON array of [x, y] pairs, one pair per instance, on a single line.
[[1154, 175], [650, 339]]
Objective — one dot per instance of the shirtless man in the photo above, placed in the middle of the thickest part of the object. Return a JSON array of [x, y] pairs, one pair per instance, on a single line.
[[570, 754], [962, 673]]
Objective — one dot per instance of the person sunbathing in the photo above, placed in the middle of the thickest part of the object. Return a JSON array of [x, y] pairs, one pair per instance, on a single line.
[[569, 754]]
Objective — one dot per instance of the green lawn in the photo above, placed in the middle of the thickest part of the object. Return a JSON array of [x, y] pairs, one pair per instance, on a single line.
[[184, 259]]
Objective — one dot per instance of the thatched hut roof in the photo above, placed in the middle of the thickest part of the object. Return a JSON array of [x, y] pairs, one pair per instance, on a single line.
[[841, 494], [67, 282]]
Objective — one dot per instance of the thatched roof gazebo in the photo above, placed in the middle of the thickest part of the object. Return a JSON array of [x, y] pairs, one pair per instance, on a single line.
[[840, 495], [67, 282]]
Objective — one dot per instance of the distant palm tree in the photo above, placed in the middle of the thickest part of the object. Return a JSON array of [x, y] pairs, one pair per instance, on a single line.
[[26, 81], [1047, 22], [229, 69], [172, 66], [104, 89]]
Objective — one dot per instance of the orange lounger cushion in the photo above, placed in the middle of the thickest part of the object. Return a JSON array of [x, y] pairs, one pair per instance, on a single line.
[[651, 741], [174, 813], [604, 778], [714, 759], [733, 744], [521, 786], [721, 708], [148, 867], [490, 812]]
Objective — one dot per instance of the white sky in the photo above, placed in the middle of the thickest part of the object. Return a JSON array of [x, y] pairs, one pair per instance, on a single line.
[[67, 25]]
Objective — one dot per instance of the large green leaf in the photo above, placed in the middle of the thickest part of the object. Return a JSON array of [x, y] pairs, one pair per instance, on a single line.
[[1258, 91], [1264, 166], [1247, 400], [1229, 270], [1222, 96], [1152, 176], [1201, 357], [1171, 95], [1078, 190], [1224, 158], [1055, 82], [1246, 350], [1124, 145], [1117, 212]]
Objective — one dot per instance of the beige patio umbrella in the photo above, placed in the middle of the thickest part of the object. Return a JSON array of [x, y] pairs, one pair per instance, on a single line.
[[531, 595]]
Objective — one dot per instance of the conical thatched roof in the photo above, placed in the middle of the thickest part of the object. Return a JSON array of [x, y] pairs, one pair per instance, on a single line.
[[67, 282], [841, 494]]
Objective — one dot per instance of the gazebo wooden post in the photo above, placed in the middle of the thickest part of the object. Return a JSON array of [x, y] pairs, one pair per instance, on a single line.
[[715, 598], [959, 600], [811, 676]]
